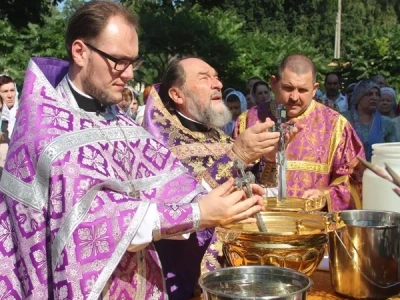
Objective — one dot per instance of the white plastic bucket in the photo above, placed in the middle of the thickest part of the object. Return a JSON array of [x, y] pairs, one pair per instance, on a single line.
[[377, 192]]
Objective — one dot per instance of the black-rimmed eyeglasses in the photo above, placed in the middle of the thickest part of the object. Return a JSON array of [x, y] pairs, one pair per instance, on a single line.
[[120, 64]]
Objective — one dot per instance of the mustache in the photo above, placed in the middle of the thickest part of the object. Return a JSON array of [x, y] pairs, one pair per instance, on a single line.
[[292, 101], [216, 94]]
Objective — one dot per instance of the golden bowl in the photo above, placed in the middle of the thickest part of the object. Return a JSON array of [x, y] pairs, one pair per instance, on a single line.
[[294, 204], [294, 240]]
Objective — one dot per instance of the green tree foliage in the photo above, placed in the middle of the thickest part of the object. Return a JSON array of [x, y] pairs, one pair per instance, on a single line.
[[22, 12], [217, 36], [240, 38], [12, 52], [70, 6], [313, 20], [17, 46], [190, 31], [377, 51], [263, 52]]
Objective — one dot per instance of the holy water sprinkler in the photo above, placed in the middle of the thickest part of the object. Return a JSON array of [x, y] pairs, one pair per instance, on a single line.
[[243, 182]]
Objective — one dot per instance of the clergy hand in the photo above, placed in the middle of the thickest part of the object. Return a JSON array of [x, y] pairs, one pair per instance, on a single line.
[[225, 205], [312, 194], [255, 142], [291, 129]]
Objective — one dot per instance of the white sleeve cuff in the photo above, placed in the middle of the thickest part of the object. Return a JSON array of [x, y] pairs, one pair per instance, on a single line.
[[206, 185], [144, 235], [151, 222], [271, 192]]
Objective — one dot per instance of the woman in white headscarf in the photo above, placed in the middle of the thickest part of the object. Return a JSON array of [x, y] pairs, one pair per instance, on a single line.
[[8, 98], [128, 100], [236, 102], [9, 107], [370, 125], [386, 104]]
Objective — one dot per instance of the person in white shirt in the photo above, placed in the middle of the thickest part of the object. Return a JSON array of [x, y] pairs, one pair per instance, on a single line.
[[8, 108], [8, 96]]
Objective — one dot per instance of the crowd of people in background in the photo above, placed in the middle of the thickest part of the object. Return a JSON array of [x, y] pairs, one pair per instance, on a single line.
[[122, 199], [370, 105]]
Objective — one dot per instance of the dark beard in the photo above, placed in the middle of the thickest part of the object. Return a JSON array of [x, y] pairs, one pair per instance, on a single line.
[[92, 90]]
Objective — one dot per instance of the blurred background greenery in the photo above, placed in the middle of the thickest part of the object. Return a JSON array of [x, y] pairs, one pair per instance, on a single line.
[[240, 38]]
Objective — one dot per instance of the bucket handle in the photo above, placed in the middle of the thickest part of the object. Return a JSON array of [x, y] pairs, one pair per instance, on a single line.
[[355, 263]]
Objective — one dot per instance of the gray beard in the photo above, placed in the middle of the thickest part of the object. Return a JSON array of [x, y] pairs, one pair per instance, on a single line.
[[92, 90], [208, 116]]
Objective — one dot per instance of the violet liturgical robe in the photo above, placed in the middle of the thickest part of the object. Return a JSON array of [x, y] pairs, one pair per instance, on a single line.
[[323, 155], [69, 228], [207, 154]]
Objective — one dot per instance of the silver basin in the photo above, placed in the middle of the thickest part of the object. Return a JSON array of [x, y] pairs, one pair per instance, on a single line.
[[255, 282]]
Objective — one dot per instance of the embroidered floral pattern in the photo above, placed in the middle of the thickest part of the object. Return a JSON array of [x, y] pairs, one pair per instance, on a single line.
[[93, 241], [93, 159], [40, 292], [29, 220], [156, 152], [5, 236], [19, 165], [24, 277], [56, 198], [62, 293], [5, 293], [175, 212], [127, 220], [224, 170], [143, 171], [85, 183], [55, 117], [20, 127], [86, 124], [123, 155], [89, 284], [39, 259], [71, 170]]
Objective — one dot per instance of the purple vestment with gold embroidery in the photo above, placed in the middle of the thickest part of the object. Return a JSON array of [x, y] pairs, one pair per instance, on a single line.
[[68, 228], [209, 157], [323, 155]]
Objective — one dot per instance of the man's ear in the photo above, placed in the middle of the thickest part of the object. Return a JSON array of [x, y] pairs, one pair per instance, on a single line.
[[316, 86], [273, 82], [176, 95], [79, 52]]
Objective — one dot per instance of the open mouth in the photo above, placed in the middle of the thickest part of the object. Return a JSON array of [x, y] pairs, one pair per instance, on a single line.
[[216, 98]]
